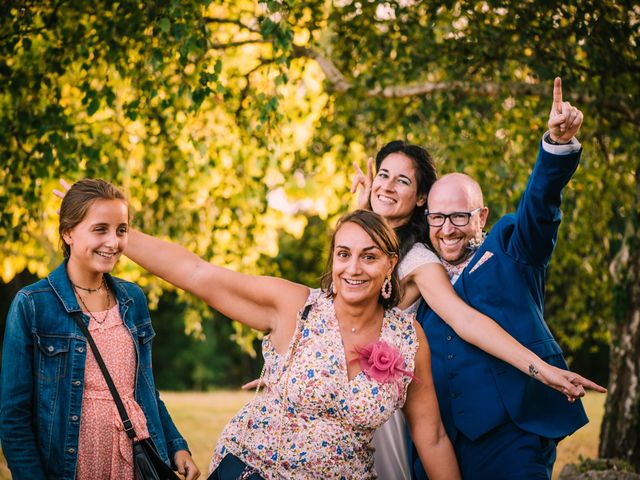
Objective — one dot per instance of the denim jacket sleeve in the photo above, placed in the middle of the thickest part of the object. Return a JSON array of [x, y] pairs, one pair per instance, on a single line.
[[175, 441], [17, 392]]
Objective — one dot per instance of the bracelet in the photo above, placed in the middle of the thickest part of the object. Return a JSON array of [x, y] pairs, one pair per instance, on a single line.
[[547, 138]]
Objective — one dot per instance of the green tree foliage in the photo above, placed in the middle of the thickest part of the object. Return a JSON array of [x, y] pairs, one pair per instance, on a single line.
[[197, 362], [135, 92]]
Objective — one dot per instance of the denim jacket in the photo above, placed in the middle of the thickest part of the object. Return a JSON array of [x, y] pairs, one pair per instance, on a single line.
[[42, 378]]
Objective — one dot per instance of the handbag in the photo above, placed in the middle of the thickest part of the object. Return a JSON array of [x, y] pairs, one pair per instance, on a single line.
[[232, 467], [147, 463]]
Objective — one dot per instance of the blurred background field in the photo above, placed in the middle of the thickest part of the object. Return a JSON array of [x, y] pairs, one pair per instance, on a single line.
[[202, 416]]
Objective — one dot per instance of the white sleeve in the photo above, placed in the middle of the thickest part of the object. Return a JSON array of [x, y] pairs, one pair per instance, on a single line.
[[564, 149], [416, 257]]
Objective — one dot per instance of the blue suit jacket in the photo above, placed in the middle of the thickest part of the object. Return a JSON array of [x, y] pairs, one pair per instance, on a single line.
[[477, 392]]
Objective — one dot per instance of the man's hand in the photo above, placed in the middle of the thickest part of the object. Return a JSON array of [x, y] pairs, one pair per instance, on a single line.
[[564, 120], [253, 384], [185, 465], [364, 180]]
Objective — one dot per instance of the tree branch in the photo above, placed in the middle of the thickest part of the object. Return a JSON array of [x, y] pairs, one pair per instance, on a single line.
[[340, 84], [238, 43], [334, 76], [52, 17], [16, 137], [229, 21], [245, 90]]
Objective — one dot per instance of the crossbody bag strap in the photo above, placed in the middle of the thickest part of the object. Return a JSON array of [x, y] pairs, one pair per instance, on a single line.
[[126, 421], [285, 394], [303, 318]]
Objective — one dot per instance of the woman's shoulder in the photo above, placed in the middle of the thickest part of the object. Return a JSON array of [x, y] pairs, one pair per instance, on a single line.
[[400, 320], [127, 285], [315, 294], [38, 287], [419, 255], [129, 289], [421, 250], [28, 298], [401, 331]]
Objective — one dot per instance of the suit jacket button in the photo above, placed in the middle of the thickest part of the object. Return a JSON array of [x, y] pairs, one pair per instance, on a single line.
[[450, 356]]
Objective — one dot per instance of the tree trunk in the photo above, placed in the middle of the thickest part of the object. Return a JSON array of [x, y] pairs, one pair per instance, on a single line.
[[619, 436]]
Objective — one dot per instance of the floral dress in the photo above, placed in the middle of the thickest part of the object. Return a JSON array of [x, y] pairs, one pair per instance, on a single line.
[[324, 427]]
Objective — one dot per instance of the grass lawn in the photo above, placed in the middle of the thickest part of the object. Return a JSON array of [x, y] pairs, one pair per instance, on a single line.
[[201, 417]]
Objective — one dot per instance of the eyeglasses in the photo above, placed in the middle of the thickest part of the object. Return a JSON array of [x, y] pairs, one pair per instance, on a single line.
[[457, 219]]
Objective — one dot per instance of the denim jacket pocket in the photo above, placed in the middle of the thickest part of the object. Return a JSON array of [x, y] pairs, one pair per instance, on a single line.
[[53, 356], [145, 334]]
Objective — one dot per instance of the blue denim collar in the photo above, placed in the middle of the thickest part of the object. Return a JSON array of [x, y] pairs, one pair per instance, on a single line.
[[61, 285]]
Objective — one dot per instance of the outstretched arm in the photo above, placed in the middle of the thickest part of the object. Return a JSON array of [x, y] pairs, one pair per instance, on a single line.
[[259, 302], [483, 332], [423, 416], [538, 216]]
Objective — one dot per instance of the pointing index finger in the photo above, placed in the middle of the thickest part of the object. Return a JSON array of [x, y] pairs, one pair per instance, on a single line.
[[557, 95]]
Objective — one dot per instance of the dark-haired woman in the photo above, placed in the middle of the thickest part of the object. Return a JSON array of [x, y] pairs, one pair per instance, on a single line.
[[57, 416], [398, 192]]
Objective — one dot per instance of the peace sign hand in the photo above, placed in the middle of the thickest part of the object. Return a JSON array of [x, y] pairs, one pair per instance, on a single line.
[[65, 185], [564, 120], [364, 180], [59, 193]]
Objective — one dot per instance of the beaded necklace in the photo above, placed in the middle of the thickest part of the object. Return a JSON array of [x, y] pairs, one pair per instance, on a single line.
[[91, 314]]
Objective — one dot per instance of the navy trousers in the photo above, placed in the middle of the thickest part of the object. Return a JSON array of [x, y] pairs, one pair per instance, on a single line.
[[506, 453]]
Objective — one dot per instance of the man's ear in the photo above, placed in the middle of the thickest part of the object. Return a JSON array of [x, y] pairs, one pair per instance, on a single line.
[[484, 216]]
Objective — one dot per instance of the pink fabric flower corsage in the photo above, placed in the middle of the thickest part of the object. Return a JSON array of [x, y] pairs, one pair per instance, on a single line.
[[382, 362]]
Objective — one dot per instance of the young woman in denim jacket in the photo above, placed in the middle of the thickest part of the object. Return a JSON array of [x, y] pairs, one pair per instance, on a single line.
[[57, 417]]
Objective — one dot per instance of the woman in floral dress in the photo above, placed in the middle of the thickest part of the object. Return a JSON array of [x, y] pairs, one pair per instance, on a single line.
[[338, 361]]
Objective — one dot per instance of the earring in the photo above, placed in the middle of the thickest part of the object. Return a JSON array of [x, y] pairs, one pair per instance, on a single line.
[[387, 288]]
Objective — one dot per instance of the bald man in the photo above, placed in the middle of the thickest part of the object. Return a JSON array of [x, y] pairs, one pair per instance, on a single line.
[[503, 424]]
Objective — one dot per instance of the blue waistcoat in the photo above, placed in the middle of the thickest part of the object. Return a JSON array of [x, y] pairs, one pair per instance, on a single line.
[[477, 392]]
